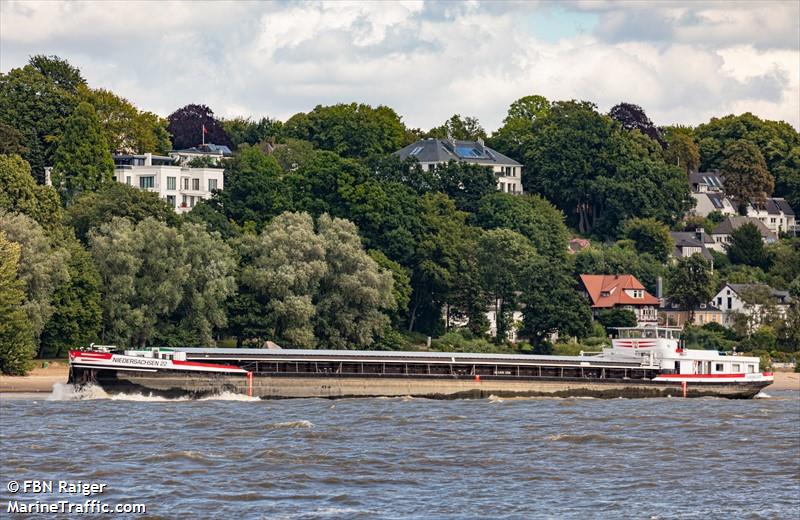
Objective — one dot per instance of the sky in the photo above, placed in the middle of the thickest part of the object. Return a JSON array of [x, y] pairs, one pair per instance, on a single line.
[[683, 62]]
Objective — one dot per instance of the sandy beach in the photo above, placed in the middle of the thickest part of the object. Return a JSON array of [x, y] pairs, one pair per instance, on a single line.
[[42, 379]]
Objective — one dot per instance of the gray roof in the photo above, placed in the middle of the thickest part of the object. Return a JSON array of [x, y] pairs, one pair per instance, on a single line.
[[710, 179], [781, 296], [669, 305], [690, 239], [209, 148], [444, 150], [731, 224], [776, 206]]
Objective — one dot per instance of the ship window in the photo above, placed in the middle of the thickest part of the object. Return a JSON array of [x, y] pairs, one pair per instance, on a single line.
[[736, 368], [751, 369], [718, 367]]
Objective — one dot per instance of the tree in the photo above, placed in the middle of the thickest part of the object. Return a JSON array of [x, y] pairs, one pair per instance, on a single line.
[[513, 137], [125, 128], [247, 131], [59, 71], [621, 257], [552, 303], [354, 130], [465, 183], [82, 161], [91, 209], [20, 193], [747, 247], [632, 117], [532, 216], [690, 282], [16, 338], [598, 174], [682, 151], [187, 124], [401, 285], [353, 293], [282, 271], [466, 129], [12, 141], [254, 190], [42, 268], [209, 282], [617, 318], [649, 236], [503, 256], [77, 317], [37, 107], [746, 175]]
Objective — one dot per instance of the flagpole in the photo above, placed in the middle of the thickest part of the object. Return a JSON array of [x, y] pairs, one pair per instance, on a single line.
[[203, 131]]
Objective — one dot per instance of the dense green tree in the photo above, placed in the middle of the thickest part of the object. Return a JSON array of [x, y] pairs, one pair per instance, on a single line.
[[293, 154], [532, 216], [503, 256], [58, 71], [19, 193], [37, 107], [778, 142], [633, 117], [286, 263], [12, 141], [42, 268], [457, 127], [747, 247], [125, 128], [353, 293], [350, 130], [617, 317], [746, 175], [690, 282], [514, 136], [784, 261], [682, 151], [16, 338], [192, 125], [209, 282], [77, 317], [465, 183], [649, 236], [82, 161], [401, 285], [254, 190], [90, 210], [243, 130], [598, 174], [552, 303]]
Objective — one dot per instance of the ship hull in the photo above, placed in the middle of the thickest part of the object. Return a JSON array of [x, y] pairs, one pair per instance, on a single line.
[[177, 384]]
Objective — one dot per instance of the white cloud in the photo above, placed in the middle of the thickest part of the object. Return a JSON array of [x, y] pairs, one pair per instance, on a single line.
[[684, 63]]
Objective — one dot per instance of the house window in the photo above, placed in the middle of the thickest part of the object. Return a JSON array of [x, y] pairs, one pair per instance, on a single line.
[[128, 180], [772, 220], [719, 301], [730, 303], [191, 201], [183, 202], [147, 182], [171, 200], [212, 184], [502, 186], [196, 184], [185, 183], [637, 293], [170, 183]]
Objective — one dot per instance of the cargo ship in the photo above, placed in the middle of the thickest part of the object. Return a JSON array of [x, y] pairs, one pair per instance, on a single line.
[[641, 362]]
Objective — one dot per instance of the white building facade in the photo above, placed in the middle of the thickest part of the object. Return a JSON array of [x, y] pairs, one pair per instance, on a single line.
[[181, 187], [731, 302]]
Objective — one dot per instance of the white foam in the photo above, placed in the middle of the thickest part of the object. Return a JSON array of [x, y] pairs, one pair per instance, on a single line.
[[762, 395], [293, 424], [67, 392]]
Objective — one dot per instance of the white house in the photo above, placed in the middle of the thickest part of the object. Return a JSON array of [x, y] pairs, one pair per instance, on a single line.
[[707, 192], [181, 186], [688, 243], [776, 214], [722, 233], [433, 152], [730, 301]]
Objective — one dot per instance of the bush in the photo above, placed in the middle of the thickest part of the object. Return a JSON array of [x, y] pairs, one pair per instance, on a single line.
[[611, 318], [455, 341]]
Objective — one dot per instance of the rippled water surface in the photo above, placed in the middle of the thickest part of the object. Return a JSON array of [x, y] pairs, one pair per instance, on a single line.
[[414, 458]]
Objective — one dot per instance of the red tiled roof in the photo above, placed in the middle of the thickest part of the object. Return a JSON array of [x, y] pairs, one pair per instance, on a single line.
[[608, 290]]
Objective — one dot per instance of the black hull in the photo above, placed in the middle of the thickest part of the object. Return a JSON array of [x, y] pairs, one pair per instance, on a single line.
[[174, 384]]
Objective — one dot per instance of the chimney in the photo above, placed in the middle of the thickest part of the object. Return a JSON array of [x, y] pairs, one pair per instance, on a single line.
[[148, 159]]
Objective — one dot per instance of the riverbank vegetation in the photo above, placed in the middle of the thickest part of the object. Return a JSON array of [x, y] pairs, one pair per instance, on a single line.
[[323, 239]]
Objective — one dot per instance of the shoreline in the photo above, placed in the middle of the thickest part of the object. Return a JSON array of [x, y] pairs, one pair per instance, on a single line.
[[42, 380]]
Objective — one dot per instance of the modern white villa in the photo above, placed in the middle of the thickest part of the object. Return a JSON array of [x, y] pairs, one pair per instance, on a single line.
[[433, 152], [181, 186]]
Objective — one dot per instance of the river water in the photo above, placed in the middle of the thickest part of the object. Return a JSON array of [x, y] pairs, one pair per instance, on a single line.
[[411, 458]]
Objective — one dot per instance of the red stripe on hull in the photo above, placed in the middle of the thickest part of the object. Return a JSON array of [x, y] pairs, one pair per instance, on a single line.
[[702, 376]]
